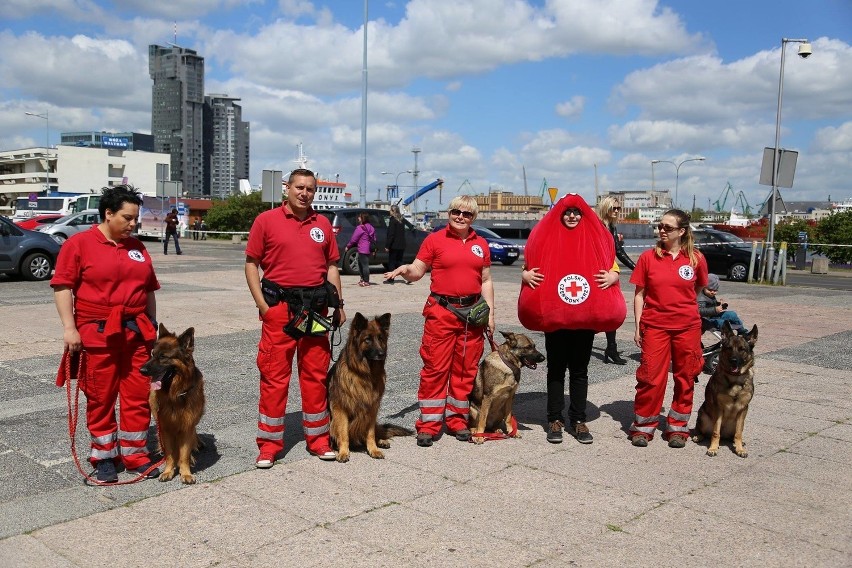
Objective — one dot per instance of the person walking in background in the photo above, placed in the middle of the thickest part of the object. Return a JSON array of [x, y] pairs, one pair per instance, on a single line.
[[171, 221], [395, 241], [104, 292], [450, 348], [570, 291], [608, 211], [196, 229], [364, 240], [289, 289], [203, 228], [668, 329]]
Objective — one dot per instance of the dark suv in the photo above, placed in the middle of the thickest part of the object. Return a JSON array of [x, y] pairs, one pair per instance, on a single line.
[[28, 253], [726, 253], [344, 221]]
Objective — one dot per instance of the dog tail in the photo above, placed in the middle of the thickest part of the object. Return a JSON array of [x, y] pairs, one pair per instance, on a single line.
[[385, 431]]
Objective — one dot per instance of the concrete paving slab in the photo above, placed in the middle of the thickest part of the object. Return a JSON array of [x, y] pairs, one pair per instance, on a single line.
[[25, 550]]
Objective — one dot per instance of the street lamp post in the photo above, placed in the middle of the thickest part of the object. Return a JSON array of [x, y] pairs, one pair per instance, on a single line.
[[397, 176], [46, 118], [677, 172], [804, 52]]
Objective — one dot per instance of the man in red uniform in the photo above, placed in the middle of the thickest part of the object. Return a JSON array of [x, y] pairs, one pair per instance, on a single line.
[[297, 252], [460, 261]]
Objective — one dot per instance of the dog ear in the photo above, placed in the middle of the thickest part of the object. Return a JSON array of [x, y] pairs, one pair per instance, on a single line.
[[510, 337], [187, 339], [161, 331], [359, 323], [727, 330], [384, 321], [751, 336]]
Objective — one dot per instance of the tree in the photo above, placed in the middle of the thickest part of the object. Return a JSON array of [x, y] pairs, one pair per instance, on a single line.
[[632, 215], [835, 229], [236, 213], [788, 232]]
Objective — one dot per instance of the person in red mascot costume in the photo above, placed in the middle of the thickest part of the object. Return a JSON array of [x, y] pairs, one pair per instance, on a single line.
[[570, 291]]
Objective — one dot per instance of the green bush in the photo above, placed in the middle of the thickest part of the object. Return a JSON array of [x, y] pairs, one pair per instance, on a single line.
[[835, 229], [236, 213], [788, 232]]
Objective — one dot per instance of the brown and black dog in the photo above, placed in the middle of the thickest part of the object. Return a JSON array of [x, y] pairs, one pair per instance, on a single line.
[[728, 393], [356, 384], [497, 382], [177, 400]]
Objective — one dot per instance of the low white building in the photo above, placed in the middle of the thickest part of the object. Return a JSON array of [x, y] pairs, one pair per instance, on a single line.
[[73, 169]]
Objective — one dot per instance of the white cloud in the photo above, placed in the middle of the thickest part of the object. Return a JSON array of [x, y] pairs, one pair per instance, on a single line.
[[572, 108], [832, 139]]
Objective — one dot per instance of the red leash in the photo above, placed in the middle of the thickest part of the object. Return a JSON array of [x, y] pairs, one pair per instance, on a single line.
[[70, 373], [513, 427]]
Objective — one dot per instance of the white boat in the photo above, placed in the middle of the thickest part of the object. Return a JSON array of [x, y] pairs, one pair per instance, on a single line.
[[330, 194]]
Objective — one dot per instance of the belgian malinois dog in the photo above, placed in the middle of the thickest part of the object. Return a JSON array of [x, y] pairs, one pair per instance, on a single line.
[[177, 400], [356, 384], [496, 384], [728, 393]]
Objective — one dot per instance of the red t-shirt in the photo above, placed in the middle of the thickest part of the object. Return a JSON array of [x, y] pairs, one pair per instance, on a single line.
[[456, 265], [670, 283], [292, 252]]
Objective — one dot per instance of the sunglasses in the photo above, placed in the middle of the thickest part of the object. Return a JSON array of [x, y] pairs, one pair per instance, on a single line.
[[573, 211], [667, 228], [616, 209], [466, 214]]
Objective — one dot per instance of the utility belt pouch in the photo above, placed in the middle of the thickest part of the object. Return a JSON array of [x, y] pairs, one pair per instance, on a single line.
[[475, 315], [271, 292], [306, 322]]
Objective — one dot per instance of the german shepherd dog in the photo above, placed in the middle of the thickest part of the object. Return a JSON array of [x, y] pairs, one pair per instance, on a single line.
[[356, 384], [177, 400], [728, 393], [497, 382]]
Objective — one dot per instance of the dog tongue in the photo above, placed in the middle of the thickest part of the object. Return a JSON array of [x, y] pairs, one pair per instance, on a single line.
[[155, 385]]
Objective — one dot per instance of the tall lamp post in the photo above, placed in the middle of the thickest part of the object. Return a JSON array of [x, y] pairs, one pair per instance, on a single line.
[[804, 52], [677, 171], [46, 118], [397, 176]]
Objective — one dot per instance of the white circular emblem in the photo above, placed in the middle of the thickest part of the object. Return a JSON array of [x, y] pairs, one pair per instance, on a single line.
[[686, 272], [136, 255], [574, 289], [317, 235], [477, 250]]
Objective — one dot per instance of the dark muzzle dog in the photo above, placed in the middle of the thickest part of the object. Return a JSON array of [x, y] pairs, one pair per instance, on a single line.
[[496, 384]]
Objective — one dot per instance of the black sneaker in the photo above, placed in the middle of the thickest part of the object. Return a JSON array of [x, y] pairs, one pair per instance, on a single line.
[[554, 432], [154, 473], [424, 440], [581, 432], [106, 471], [462, 435]]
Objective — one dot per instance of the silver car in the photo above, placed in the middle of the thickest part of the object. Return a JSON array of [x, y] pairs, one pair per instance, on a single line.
[[25, 253], [71, 224]]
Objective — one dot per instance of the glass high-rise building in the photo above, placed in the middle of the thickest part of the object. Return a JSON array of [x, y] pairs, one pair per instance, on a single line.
[[226, 145]]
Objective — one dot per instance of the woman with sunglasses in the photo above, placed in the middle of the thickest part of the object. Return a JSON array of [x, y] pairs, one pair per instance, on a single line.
[[460, 261], [608, 210], [668, 329], [570, 292]]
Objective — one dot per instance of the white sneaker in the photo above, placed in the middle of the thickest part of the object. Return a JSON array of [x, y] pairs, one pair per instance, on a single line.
[[263, 463]]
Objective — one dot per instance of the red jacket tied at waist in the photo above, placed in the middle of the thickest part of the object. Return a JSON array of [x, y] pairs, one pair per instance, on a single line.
[[115, 316]]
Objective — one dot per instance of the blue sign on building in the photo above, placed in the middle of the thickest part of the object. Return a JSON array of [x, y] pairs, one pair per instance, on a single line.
[[115, 142]]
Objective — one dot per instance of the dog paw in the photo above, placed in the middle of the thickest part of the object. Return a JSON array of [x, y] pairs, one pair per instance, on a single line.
[[742, 453], [342, 457], [697, 438], [377, 454], [712, 452], [187, 479], [383, 444], [478, 440], [516, 435], [167, 475]]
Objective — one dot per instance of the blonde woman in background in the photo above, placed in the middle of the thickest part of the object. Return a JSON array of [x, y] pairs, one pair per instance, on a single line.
[[608, 210]]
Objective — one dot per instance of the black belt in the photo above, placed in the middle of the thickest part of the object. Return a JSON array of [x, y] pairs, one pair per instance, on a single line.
[[462, 301]]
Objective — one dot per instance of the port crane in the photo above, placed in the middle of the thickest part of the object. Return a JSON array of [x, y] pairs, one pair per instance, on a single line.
[[739, 199]]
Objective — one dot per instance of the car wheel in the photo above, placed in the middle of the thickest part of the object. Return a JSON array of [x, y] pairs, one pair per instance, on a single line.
[[509, 261], [60, 238], [36, 266], [350, 262], [738, 272]]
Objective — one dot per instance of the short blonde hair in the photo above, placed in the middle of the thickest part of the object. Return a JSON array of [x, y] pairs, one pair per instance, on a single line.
[[465, 202]]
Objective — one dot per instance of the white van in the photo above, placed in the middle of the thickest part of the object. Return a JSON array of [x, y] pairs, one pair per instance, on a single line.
[[72, 224]]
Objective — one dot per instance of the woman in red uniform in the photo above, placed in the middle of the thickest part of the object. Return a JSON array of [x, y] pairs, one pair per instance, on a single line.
[[668, 329], [460, 261], [104, 292]]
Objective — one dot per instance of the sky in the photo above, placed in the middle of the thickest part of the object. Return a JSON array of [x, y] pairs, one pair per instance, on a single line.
[[498, 95]]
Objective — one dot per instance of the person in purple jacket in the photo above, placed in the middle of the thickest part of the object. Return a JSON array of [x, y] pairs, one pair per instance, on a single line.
[[364, 238]]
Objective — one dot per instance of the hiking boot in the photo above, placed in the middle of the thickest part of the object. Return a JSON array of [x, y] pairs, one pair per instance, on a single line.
[[639, 440], [581, 432], [154, 473], [554, 432], [462, 435], [424, 440], [677, 441], [106, 471]]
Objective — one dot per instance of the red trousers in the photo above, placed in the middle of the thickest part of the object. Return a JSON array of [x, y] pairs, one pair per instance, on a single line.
[[275, 362], [113, 373], [450, 353], [681, 348]]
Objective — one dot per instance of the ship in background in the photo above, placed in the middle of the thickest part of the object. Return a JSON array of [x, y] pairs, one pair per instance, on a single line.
[[743, 227], [330, 194]]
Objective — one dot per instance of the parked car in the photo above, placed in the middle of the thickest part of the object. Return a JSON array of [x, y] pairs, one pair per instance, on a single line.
[[727, 254], [344, 221], [71, 224], [29, 254], [33, 223], [501, 249]]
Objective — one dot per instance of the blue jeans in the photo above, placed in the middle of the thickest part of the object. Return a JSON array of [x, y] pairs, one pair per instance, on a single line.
[[166, 243], [727, 316]]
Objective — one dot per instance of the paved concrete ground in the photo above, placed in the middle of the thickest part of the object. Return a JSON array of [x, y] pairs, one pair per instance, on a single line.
[[512, 503]]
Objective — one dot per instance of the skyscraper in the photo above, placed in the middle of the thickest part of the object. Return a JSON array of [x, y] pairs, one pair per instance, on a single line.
[[177, 112], [226, 145]]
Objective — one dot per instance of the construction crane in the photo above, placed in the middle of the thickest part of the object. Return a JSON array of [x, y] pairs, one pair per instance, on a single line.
[[743, 203], [543, 188], [723, 198]]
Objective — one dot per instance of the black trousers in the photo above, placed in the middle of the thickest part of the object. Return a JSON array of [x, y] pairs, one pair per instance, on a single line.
[[571, 350], [394, 259]]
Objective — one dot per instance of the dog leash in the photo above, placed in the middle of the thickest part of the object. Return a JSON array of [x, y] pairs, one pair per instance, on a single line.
[[74, 413]]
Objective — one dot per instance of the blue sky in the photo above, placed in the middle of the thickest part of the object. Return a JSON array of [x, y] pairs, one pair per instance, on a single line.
[[486, 88]]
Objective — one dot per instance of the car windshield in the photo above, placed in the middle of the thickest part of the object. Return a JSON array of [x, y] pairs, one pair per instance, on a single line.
[[730, 238]]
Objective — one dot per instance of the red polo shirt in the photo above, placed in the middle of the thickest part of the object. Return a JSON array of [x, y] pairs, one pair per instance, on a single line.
[[292, 252], [456, 265], [670, 283], [103, 272]]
